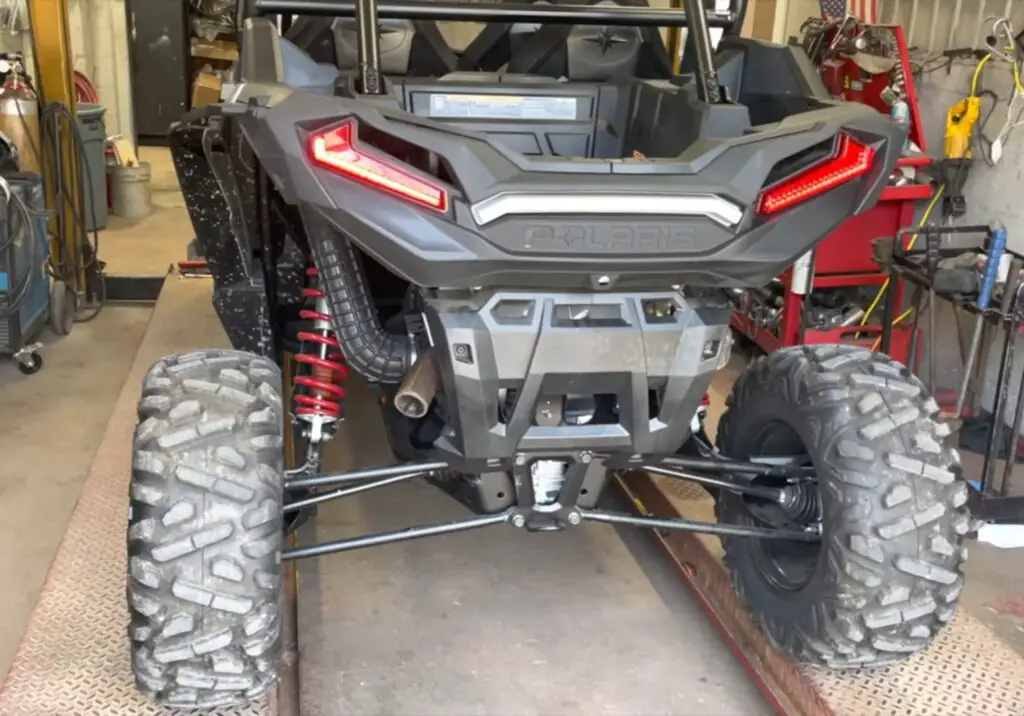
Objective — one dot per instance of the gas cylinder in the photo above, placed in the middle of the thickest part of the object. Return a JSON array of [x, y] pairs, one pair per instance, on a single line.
[[19, 116]]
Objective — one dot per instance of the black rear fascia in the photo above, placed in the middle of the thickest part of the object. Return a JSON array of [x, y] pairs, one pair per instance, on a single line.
[[434, 250], [451, 251]]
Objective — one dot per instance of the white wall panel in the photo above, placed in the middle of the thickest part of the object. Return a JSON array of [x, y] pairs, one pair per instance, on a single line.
[[937, 25]]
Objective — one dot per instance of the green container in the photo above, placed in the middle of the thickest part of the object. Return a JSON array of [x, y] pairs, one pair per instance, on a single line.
[[94, 138]]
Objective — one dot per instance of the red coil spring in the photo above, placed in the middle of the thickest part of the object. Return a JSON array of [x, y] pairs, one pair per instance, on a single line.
[[324, 393]]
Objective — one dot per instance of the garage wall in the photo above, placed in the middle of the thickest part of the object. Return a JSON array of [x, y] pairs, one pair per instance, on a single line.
[[793, 13], [936, 25]]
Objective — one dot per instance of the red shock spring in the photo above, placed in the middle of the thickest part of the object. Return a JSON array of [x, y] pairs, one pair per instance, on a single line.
[[322, 353]]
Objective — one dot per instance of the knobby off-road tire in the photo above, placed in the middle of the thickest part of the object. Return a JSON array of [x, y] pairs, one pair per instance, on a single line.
[[204, 538], [887, 575]]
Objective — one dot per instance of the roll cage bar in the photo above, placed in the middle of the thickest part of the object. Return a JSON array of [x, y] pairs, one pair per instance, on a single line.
[[368, 12]]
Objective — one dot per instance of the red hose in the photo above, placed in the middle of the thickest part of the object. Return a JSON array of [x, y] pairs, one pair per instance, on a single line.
[[85, 91]]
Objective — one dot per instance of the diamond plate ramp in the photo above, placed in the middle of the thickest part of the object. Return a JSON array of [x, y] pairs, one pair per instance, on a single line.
[[967, 670], [73, 658]]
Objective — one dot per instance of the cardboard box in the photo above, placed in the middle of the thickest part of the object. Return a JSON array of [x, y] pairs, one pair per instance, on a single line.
[[761, 18], [206, 89], [219, 50]]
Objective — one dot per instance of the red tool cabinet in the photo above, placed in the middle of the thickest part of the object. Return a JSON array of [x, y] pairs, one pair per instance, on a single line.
[[844, 258]]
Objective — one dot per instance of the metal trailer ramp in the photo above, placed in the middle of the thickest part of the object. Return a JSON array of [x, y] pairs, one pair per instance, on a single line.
[[73, 659], [967, 670]]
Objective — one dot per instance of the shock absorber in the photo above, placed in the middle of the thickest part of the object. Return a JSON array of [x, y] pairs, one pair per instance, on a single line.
[[319, 395]]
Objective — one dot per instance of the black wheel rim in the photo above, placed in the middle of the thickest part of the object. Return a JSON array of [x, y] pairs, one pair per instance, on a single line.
[[788, 566]]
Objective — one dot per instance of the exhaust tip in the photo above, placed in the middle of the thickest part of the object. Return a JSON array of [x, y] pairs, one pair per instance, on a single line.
[[411, 405], [418, 388]]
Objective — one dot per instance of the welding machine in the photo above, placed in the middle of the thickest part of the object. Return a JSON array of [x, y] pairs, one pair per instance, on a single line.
[[25, 292]]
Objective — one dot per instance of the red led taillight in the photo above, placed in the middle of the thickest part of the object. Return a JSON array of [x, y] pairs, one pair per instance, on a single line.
[[850, 160], [335, 148]]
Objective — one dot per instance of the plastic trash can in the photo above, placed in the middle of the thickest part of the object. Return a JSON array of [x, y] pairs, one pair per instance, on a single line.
[[94, 137]]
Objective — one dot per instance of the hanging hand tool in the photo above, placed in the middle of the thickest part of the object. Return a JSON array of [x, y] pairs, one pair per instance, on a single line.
[[960, 121], [996, 247]]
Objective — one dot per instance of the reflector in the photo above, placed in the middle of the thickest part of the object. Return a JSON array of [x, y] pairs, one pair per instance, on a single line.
[[335, 148], [851, 160]]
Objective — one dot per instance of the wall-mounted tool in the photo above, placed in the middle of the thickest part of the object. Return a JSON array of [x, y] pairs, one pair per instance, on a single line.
[[960, 131]]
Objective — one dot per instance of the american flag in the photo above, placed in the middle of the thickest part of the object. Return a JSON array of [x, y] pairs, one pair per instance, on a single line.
[[865, 10]]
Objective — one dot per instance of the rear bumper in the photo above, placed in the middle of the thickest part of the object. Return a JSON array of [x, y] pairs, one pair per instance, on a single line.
[[508, 361], [549, 223]]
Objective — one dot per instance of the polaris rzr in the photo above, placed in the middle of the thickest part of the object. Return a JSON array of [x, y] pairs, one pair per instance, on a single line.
[[528, 248]]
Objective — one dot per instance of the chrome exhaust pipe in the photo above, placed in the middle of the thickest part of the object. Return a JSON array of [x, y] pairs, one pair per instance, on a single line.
[[418, 387]]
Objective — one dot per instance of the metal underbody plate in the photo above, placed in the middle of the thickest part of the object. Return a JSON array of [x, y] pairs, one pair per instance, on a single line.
[[73, 659], [967, 670]]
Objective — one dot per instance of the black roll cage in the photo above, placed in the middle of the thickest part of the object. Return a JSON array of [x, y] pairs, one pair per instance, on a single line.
[[693, 16]]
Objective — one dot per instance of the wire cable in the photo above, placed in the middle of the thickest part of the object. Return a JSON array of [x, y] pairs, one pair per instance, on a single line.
[[895, 321], [976, 79], [1002, 30], [68, 267], [885, 284], [54, 119]]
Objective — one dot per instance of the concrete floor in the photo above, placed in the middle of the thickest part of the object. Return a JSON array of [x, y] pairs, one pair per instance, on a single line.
[[150, 246], [50, 424], [497, 621]]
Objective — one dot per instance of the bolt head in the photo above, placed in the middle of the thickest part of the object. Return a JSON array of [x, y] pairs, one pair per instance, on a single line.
[[518, 521], [585, 457], [574, 518], [520, 459]]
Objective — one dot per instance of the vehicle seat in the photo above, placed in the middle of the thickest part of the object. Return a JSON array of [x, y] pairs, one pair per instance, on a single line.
[[303, 72], [407, 48], [599, 54]]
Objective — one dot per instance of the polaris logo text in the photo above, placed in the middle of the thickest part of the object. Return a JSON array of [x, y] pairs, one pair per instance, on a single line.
[[618, 239]]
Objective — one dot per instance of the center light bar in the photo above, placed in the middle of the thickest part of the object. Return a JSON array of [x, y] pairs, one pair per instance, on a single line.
[[720, 210]]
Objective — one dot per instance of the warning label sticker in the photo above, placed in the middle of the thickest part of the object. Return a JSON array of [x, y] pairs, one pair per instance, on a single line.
[[490, 106]]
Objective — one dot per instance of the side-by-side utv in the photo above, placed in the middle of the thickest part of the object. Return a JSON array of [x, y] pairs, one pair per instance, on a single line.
[[528, 248]]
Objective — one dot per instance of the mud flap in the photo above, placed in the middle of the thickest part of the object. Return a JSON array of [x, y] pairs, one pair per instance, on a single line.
[[218, 193]]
